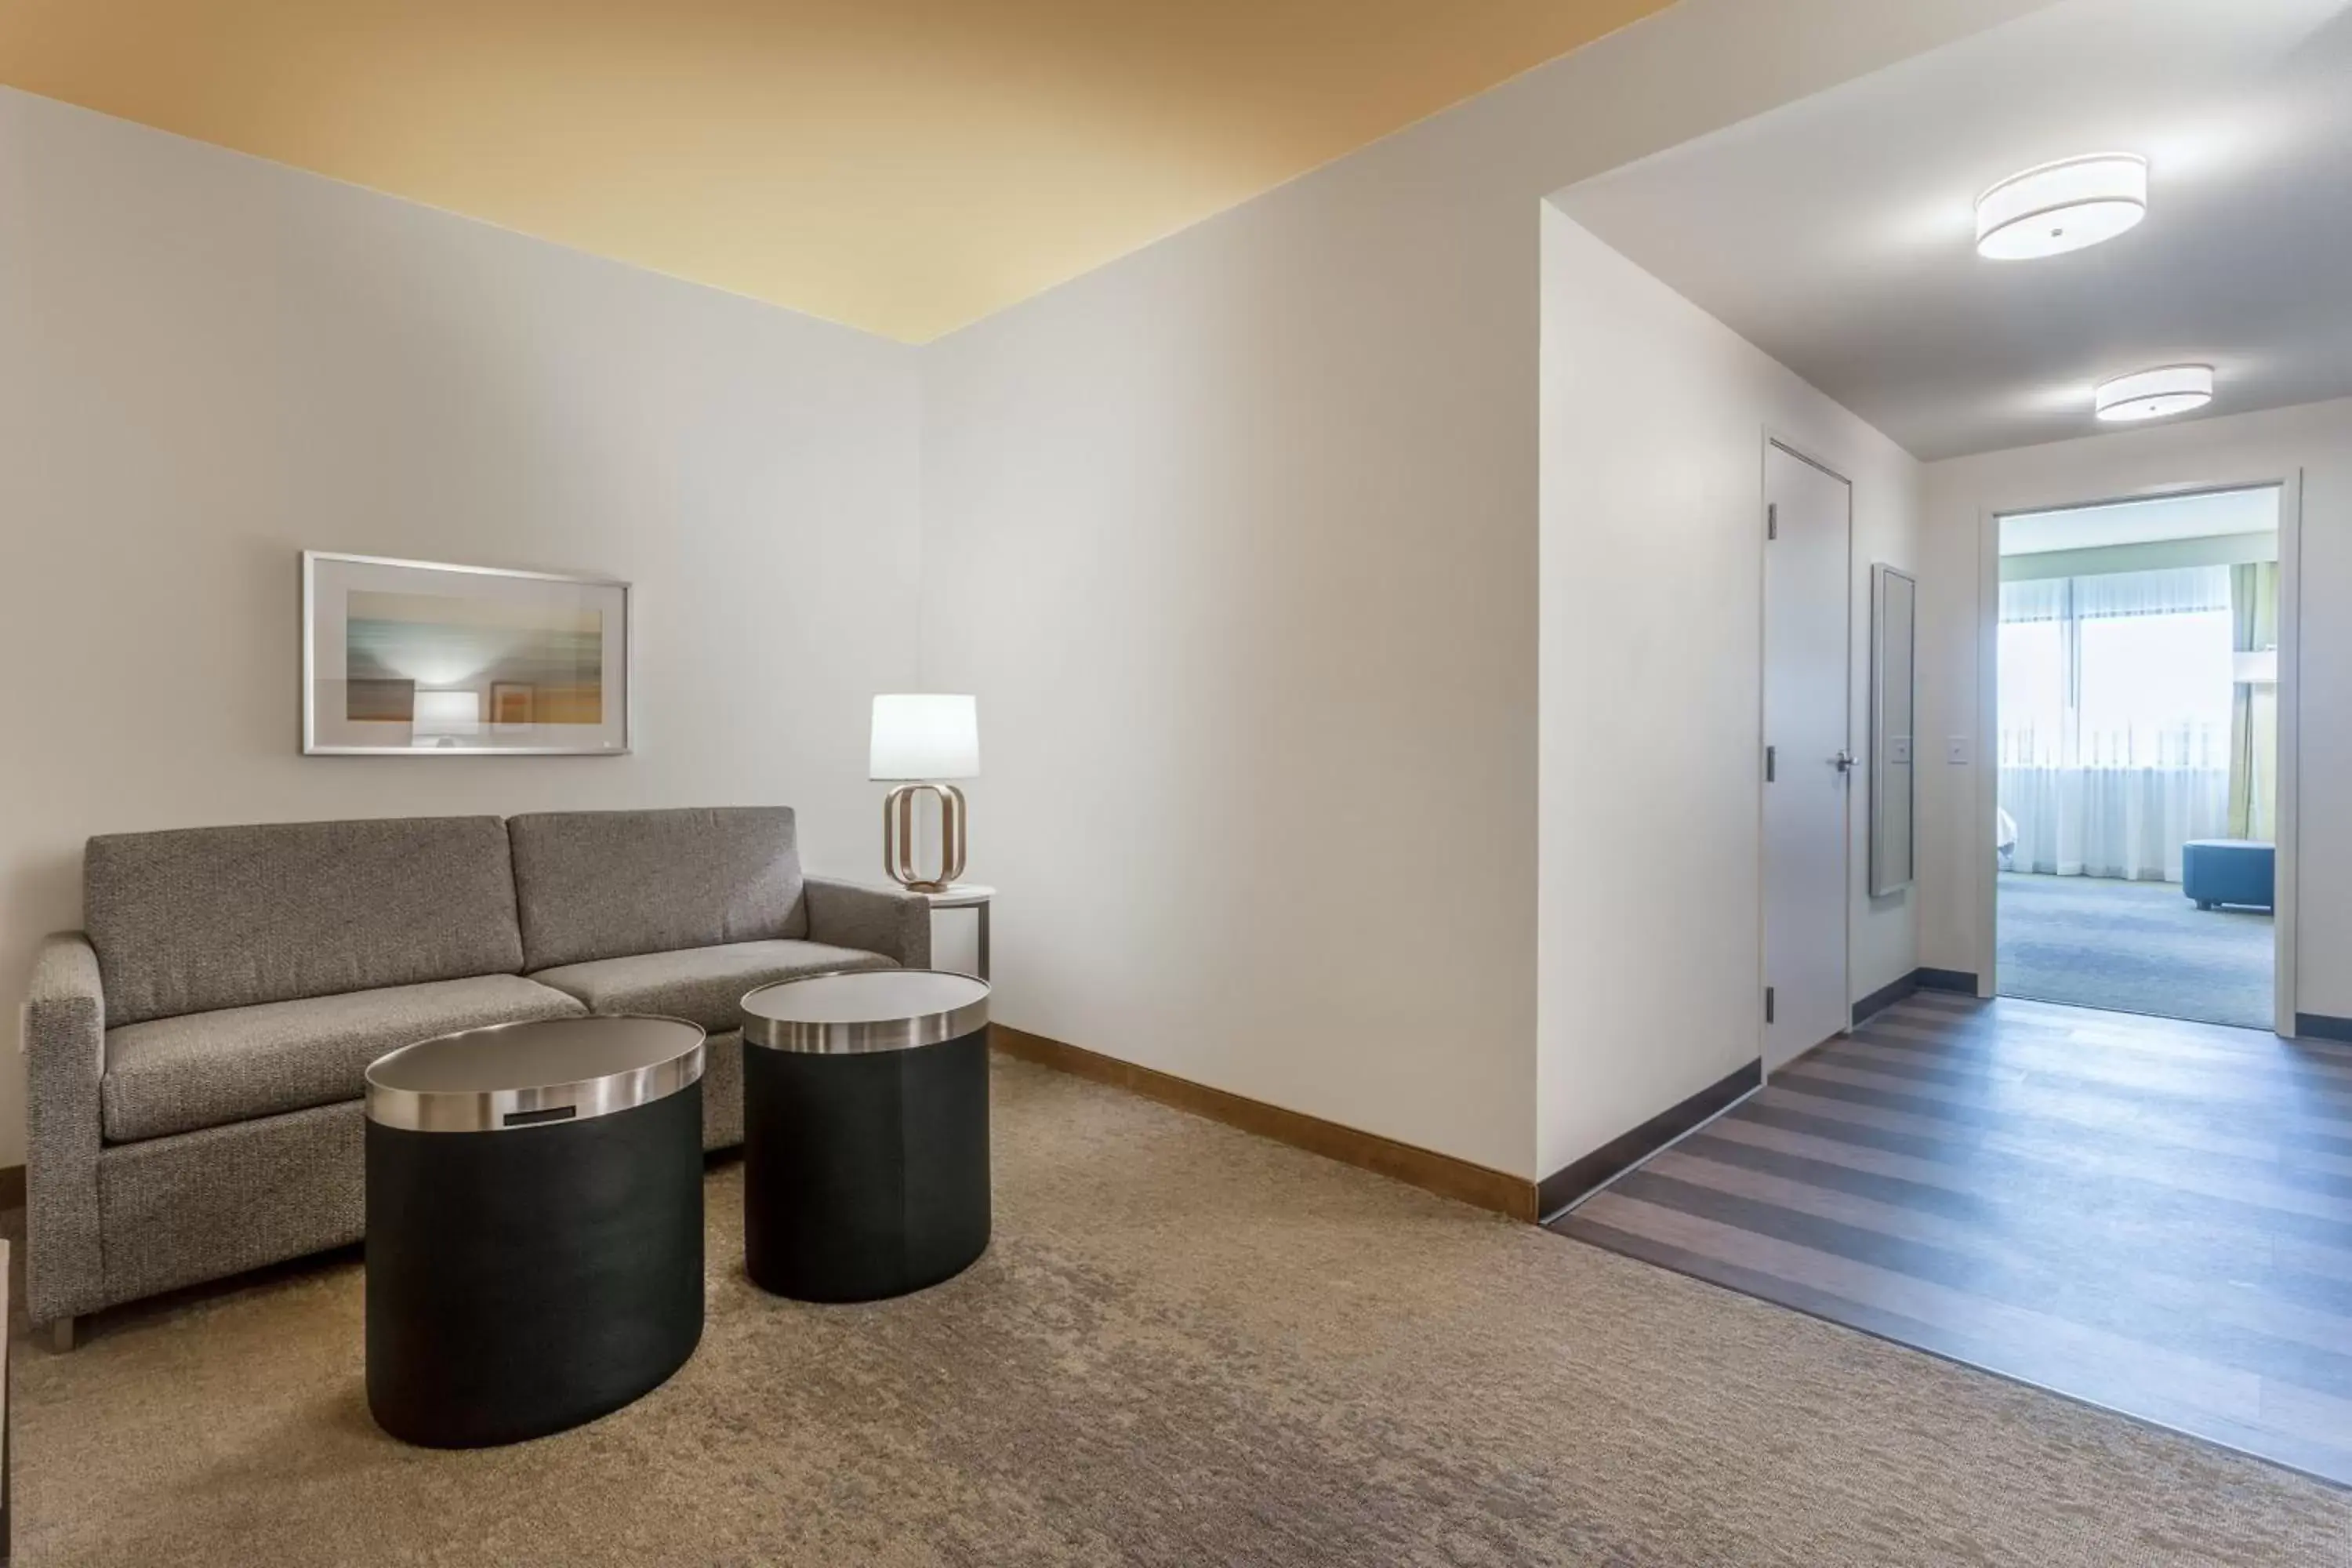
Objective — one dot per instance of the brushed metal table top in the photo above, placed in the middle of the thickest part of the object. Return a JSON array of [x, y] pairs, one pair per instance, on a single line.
[[864, 1010], [513, 1075]]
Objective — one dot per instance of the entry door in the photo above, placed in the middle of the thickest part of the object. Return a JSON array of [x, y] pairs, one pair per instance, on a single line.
[[1810, 761]]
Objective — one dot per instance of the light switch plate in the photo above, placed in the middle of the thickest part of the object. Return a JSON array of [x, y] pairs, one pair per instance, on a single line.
[[1898, 750], [1956, 750]]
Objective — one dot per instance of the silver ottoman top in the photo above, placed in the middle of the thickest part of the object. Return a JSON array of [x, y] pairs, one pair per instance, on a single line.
[[526, 1075], [864, 1010]]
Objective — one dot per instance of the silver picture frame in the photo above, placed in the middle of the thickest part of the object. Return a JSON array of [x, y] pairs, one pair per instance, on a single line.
[[1893, 741], [327, 579]]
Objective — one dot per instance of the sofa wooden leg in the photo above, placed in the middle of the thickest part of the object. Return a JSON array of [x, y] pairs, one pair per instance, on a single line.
[[62, 1335]]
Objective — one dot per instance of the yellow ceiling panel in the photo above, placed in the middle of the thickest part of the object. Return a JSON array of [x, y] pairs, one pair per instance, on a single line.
[[902, 166]]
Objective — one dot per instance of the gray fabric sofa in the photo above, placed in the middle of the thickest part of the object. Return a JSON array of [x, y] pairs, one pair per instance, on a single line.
[[196, 1052]]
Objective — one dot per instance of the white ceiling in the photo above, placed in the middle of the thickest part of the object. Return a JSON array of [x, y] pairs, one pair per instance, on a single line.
[[2207, 515], [1838, 234]]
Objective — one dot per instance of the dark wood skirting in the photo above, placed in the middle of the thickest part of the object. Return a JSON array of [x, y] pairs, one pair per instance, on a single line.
[[1440, 1173], [2307, 1026], [12, 1186], [1621, 1154], [1886, 996], [1918, 980]]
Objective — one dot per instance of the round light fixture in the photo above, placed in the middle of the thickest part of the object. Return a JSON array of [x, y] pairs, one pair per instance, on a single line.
[[2062, 207], [2153, 393]]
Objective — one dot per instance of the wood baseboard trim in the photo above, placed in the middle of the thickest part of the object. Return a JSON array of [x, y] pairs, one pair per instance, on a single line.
[[1886, 995], [1621, 1154], [1424, 1168], [12, 1186]]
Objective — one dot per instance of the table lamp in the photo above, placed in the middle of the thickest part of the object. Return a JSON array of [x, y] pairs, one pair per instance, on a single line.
[[924, 738]]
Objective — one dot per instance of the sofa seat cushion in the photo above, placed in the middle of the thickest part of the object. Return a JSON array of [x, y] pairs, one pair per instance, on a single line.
[[208, 1069], [701, 984]]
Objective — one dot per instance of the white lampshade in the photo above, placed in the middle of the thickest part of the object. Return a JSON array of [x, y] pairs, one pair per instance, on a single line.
[[447, 713], [2153, 393], [2256, 667], [925, 735], [2062, 207]]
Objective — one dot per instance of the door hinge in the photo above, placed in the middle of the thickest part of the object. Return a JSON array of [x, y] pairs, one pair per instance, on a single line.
[[1771, 764], [1772, 519], [1767, 1004]]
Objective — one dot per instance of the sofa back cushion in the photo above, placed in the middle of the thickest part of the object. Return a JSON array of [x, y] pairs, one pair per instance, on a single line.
[[608, 884], [201, 918]]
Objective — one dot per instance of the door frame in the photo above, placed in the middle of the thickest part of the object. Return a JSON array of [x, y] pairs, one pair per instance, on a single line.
[[1798, 450], [1986, 791]]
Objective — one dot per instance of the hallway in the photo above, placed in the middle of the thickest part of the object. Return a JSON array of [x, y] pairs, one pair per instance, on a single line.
[[2150, 1215]]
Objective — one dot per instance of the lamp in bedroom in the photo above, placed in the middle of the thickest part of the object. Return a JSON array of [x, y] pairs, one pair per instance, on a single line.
[[921, 741]]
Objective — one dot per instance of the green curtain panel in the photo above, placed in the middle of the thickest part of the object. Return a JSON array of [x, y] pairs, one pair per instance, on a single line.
[[2253, 720]]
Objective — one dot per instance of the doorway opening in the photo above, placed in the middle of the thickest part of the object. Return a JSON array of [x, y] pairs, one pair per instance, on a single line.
[[2137, 756]]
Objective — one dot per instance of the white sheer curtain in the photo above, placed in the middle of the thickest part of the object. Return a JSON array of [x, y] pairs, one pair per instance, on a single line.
[[2115, 695]]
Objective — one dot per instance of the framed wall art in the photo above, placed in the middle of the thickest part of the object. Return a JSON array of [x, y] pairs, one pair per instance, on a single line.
[[419, 658]]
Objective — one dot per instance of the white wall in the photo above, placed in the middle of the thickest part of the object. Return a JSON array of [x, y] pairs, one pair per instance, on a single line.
[[1236, 540], [1655, 419], [2315, 439], [208, 363]]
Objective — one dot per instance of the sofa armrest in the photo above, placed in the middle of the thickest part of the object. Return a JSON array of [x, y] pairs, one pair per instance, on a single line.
[[65, 1047], [887, 920]]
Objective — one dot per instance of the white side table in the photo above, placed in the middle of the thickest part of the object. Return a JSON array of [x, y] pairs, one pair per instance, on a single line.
[[972, 896]]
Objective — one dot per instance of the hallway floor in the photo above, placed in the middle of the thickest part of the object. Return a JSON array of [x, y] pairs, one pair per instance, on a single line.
[[2149, 1215], [2139, 947]]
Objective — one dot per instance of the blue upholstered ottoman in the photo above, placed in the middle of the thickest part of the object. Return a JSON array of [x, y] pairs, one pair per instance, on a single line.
[[2228, 871]]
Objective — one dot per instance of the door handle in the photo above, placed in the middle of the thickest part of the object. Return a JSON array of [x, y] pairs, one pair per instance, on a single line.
[[1845, 761]]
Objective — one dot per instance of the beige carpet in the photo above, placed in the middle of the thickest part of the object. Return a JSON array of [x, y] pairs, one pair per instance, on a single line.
[[1187, 1346]]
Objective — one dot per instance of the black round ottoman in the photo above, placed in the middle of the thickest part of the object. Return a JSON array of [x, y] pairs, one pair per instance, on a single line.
[[864, 1133], [534, 1225]]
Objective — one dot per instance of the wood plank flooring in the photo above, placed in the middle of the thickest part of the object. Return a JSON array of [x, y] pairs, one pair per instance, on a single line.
[[2150, 1215]]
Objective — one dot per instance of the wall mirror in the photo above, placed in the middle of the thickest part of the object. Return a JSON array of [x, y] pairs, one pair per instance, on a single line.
[[1894, 615]]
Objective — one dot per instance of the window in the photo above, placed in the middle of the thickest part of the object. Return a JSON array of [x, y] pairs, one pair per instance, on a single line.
[[2126, 670], [2155, 690], [2035, 676]]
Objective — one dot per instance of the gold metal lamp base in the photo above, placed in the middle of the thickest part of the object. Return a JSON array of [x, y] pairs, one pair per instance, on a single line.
[[898, 836]]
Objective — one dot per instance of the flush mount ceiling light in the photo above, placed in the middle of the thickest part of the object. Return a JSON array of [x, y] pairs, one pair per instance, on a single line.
[[2153, 393], [2062, 207]]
